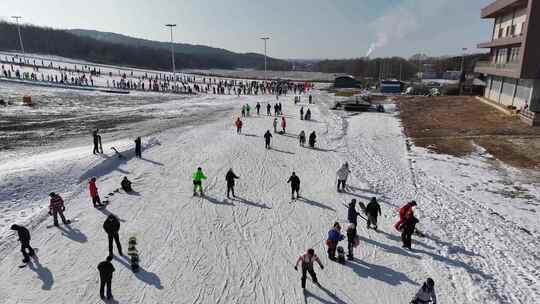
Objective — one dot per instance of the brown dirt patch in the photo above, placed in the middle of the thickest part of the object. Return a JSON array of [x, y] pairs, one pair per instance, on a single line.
[[452, 125]]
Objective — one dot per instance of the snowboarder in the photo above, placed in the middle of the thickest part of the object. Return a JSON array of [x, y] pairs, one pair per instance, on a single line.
[[373, 210], [138, 147], [294, 180], [238, 124], [312, 139], [133, 253], [106, 270], [306, 261], [198, 176], [426, 294], [334, 237], [268, 110], [342, 174], [24, 238], [274, 124], [308, 115], [56, 206], [352, 214], [126, 184], [352, 240], [407, 229], [302, 113], [258, 107], [402, 212], [283, 124], [267, 137], [94, 193], [230, 177], [302, 138], [112, 226]]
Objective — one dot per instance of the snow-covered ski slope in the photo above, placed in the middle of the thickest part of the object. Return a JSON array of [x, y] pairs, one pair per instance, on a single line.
[[214, 250]]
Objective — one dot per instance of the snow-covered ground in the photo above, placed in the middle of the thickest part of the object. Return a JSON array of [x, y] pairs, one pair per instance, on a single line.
[[215, 250]]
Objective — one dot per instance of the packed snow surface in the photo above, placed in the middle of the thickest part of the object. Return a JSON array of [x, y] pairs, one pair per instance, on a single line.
[[218, 250]]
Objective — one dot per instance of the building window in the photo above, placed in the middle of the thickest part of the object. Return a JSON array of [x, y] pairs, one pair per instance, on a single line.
[[513, 30], [507, 31], [522, 28], [514, 54], [500, 32]]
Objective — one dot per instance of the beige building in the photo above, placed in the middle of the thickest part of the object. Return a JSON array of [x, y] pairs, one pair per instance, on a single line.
[[513, 70]]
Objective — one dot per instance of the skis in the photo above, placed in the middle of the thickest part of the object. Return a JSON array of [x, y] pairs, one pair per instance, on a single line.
[[32, 257], [69, 221]]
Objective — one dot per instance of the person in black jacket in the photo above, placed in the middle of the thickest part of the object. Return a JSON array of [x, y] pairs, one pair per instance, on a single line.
[[138, 147], [295, 185], [407, 229], [352, 214], [112, 226], [230, 177], [312, 139], [267, 137], [126, 184], [24, 238], [351, 239], [373, 210], [106, 270]]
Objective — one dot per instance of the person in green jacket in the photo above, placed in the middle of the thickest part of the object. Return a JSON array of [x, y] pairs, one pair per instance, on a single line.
[[198, 176]]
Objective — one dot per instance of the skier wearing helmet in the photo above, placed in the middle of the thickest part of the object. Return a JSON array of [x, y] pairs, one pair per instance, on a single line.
[[426, 294], [306, 260]]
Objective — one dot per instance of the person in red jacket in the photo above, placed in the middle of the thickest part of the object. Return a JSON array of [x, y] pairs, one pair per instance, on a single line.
[[306, 261], [56, 206], [283, 124], [238, 124], [94, 193], [403, 212]]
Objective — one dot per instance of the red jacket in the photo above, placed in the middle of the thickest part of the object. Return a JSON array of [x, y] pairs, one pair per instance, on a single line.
[[93, 189], [238, 123], [404, 210], [56, 202], [283, 123]]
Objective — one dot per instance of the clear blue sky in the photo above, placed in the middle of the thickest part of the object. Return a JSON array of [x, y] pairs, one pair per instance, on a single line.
[[298, 28]]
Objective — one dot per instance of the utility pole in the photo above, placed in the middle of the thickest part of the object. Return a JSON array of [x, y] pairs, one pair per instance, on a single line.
[[462, 76], [19, 30], [171, 26], [265, 39]]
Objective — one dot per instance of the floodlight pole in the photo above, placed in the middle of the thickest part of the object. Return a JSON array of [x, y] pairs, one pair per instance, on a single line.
[[265, 39], [171, 26], [19, 30]]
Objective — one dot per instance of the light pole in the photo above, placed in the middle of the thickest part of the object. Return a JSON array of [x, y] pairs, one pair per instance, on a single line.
[[265, 39], [172, 50], [19, 30]]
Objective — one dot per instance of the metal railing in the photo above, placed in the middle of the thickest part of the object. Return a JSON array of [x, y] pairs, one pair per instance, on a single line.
[[501, 66]]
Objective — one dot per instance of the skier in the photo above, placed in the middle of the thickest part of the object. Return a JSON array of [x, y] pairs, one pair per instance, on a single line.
[[426, 294], [352, 240], [275, 125], [230, 177], [310, 98], [268, 109], [373, 210], [267, 137], [94, 193], [312, 139], [302, 113], [56, 206], [24, 238], [112, 226], [283, 124], [334, 237], [238, 124], [248, 108], [106, 270], [198, 176], [302, 138], [306, 261], [295, 185], [308, 115], [407, 229], [342, 174], [244, 111], [352, 214], [276, 110], [126, 184], [258, 107], [96, 138], [402, 212], [138, 147]]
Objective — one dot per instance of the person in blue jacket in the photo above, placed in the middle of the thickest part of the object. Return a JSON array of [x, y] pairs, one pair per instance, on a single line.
[[334, 236]]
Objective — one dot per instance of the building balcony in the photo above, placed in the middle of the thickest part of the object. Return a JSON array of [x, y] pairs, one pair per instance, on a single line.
[[506, 41], [510, 69], [501, 7]]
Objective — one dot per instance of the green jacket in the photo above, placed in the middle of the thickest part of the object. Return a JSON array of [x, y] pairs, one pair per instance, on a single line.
[[198, 176]]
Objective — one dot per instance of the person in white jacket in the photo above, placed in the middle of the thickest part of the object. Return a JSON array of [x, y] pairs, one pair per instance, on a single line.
[[426, 294], [342, 175], [306, 260]]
